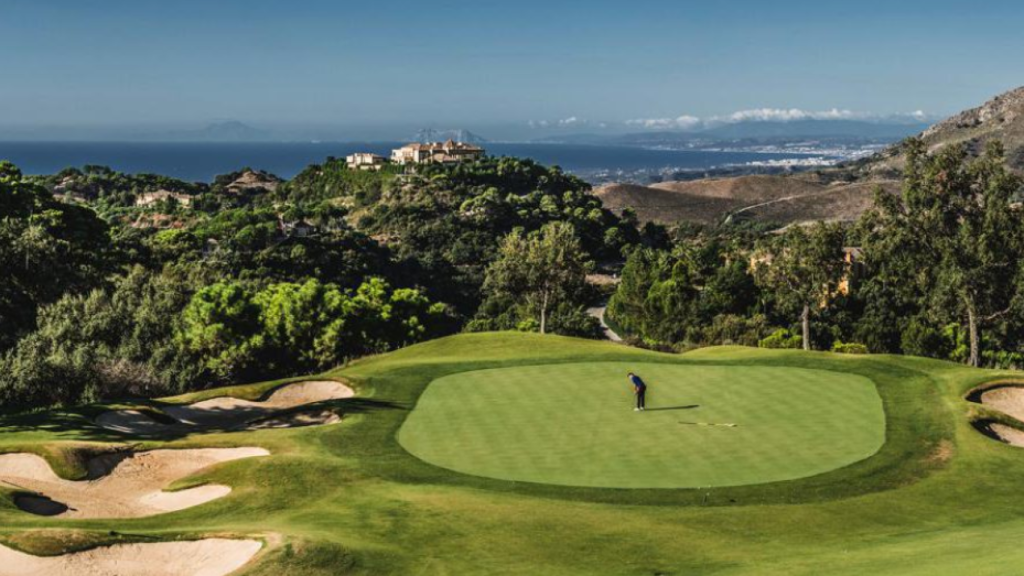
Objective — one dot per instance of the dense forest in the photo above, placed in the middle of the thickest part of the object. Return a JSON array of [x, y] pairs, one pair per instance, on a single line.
[[120, 284]]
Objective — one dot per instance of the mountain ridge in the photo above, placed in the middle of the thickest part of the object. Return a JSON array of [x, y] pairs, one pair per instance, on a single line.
[[999, 119]]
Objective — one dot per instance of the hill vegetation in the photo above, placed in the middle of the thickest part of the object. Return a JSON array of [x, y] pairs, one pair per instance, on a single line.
[[143, 284], [932, 271]]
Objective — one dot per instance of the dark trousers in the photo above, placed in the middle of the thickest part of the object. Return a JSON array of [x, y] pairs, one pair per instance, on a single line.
[[641, 398]]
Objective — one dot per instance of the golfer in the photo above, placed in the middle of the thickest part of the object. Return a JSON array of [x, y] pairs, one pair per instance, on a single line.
[[639, 390]]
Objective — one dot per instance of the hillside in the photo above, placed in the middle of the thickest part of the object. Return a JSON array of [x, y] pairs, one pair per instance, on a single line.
[[840, 194], [1000, 119], [777, 199]]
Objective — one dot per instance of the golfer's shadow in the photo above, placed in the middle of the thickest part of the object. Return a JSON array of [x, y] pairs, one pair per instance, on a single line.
[[690, 407]]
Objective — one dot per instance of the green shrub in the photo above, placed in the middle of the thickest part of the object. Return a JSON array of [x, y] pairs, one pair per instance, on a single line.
[[1002, 359], [921, 338], [528, 325], [781, 338], [736, 329], [841, 347]]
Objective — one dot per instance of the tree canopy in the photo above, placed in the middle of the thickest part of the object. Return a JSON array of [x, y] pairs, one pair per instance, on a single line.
[[803, 269], [539, 272], [952, 240]]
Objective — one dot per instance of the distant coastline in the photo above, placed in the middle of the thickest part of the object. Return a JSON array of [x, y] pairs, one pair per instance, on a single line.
[[202, 161]]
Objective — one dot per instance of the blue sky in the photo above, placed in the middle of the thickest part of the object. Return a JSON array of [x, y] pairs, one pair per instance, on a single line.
[[480, 63]]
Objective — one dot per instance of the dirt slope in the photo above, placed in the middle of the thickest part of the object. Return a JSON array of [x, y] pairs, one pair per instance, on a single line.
[[778, 199]]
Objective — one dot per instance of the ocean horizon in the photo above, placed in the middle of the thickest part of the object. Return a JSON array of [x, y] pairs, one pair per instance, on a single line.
[[202, 161]]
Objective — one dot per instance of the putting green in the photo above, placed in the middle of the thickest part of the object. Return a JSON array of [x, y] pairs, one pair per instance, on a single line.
[[574, 424]]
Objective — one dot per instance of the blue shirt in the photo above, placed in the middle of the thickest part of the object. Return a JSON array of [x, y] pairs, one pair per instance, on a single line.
[[638, 382]]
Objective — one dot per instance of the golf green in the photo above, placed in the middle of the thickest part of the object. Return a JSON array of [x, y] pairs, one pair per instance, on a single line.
[[574, 424]]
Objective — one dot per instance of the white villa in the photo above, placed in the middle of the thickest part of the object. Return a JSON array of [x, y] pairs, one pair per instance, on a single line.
[[440, 152], [365, 161], [149, 198]]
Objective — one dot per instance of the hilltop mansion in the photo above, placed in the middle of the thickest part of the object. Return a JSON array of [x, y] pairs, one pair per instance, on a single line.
[[448, 152]]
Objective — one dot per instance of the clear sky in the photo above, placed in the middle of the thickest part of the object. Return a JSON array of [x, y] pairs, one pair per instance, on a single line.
[[481, 62]]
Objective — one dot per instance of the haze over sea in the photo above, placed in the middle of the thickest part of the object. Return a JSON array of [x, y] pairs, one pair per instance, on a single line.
[[203, 161]]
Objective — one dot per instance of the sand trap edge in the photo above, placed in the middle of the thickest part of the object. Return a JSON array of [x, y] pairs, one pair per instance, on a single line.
[[139, 423], [37, 489], [209, 556]]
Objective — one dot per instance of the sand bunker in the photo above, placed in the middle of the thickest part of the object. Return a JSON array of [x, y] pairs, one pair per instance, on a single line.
[[120, 485], [211, 557], [1011, 436], [1007, 399], [227, 412]]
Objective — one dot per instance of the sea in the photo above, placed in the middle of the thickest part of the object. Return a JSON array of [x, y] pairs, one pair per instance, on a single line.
[[201, 162]]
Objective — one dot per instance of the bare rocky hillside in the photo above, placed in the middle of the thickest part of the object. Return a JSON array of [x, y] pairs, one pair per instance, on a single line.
[[1000, 119]]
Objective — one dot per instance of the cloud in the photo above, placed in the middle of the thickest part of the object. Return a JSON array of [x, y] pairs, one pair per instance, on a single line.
[[688, 122], [684, 122], [796, 114], [788, 115], [563, 123]]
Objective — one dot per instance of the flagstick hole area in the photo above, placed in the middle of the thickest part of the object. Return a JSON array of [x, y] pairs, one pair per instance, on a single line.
[[574, 424]]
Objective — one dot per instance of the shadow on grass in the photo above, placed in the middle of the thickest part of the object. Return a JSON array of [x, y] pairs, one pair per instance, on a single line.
[[215, 420], [239, 420], [57, 422], [665, 408]]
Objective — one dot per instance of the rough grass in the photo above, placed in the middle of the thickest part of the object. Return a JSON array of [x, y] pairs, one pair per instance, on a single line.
[[937, 498]]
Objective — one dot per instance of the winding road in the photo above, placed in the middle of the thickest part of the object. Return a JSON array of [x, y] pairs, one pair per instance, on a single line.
[[598, 312]]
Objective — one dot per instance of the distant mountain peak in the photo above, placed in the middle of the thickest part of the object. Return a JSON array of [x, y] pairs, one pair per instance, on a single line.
[[231, 130], [229, 124], [458, 135]]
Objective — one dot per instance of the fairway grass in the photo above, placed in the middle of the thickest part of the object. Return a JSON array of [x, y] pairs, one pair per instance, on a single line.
[[936, 498], [574, 424]]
